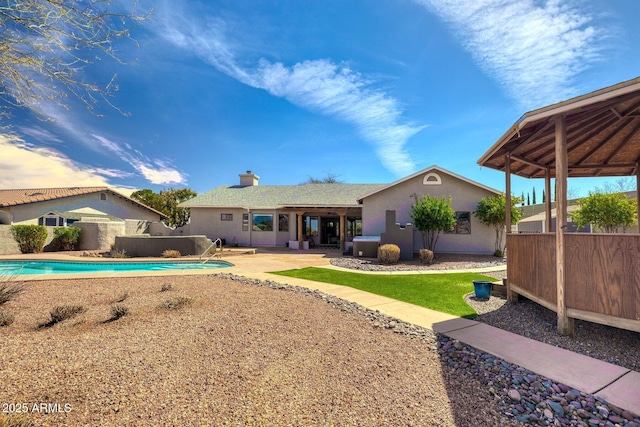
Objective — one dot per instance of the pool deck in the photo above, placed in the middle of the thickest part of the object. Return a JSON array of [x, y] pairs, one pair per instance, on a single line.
[[619, 386]]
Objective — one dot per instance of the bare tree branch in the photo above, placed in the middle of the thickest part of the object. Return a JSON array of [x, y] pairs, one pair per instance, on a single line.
[[46, 44]]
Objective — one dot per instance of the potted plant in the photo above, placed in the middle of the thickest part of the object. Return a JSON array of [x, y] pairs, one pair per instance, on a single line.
[[482, 288]]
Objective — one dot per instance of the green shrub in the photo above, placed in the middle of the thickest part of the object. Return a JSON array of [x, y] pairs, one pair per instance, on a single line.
[[7, 292], [426, 256], [66, 238], [388, 254], [64, 312], [30, 238], [176, 303], [171, 253], [6, 318], [118, 311]]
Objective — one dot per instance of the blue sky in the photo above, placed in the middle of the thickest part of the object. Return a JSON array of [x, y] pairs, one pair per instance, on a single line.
[[368, 91]]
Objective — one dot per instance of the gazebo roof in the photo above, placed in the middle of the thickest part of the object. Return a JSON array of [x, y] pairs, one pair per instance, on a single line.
[[603, 136]]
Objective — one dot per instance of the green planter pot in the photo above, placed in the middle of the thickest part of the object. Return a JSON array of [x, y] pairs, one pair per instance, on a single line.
[[482, 288]]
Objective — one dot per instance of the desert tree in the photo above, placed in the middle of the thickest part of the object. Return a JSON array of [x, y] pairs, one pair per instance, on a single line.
[[46, 44], [431, 216], [329, 178], [167, 202], [492, 211], [607, 212]]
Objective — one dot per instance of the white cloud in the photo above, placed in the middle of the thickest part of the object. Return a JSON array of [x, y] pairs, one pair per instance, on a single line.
[[337, 91], [156, 171], [534, 49], [319, 86], [40, 134], [27, 166]]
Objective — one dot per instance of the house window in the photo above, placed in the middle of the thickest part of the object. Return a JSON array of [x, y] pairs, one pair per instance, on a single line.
[[262, 222], [463, 223], [432, 179], [103, 196], [283, 222], [51, 220], [354, 228], [226, 217], [311, 228], [245, 222]]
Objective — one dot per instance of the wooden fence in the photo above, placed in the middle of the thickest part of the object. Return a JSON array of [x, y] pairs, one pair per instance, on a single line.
[[602, 275]]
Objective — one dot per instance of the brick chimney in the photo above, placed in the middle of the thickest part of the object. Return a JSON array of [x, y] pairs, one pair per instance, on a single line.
[[249, 179]]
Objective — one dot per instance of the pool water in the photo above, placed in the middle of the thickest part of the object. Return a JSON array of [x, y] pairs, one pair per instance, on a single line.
[[69, 267]]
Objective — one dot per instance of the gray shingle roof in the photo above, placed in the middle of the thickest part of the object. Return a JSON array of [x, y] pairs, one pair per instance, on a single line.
[[274, 196]]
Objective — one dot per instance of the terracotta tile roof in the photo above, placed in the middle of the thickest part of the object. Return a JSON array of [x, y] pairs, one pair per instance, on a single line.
[[31, 195]]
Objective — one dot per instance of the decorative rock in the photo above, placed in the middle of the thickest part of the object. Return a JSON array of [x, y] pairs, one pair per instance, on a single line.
[[603, 411], [557, 408], [572, 395], [616, 419]]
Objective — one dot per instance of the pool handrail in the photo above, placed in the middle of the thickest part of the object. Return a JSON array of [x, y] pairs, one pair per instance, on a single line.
[[215, 253]]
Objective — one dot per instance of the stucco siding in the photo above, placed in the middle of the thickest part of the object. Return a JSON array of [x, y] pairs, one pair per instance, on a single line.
[[208, 222], [464, 198]]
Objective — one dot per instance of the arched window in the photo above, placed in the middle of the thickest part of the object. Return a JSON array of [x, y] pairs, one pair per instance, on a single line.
[[432, 178]]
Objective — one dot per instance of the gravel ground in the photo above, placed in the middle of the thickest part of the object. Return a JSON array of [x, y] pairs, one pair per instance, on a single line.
[[244, 353]]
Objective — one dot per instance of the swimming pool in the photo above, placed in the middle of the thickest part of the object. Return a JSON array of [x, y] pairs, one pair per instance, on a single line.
[[71, 267]]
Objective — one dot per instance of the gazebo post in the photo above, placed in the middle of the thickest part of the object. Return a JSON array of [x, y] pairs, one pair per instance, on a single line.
[[511, 296], [565, 324], [638, 187], [547, 200]]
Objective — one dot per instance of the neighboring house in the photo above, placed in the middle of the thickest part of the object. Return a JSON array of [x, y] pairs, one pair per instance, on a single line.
[[64, 206], [332, 214]]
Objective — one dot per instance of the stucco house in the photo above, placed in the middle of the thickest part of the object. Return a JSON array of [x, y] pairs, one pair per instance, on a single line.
[[470, 235], [64, 206], [249, 214]]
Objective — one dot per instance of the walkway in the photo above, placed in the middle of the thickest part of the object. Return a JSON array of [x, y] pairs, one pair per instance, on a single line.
[[617, 385]]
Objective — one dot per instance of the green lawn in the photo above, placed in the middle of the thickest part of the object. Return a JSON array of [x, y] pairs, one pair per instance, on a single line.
[[441, 292]]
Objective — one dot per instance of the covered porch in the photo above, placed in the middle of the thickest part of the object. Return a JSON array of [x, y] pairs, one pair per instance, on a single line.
[[327, 227], [593, 277]]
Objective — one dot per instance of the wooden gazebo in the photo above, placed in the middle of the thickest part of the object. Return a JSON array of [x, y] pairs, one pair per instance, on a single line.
[[594, 277]]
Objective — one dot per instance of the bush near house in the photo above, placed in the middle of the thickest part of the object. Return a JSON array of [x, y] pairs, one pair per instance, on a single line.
[[30, 238], [66, 238], [492, 211], [388, 254], [431, 216]]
